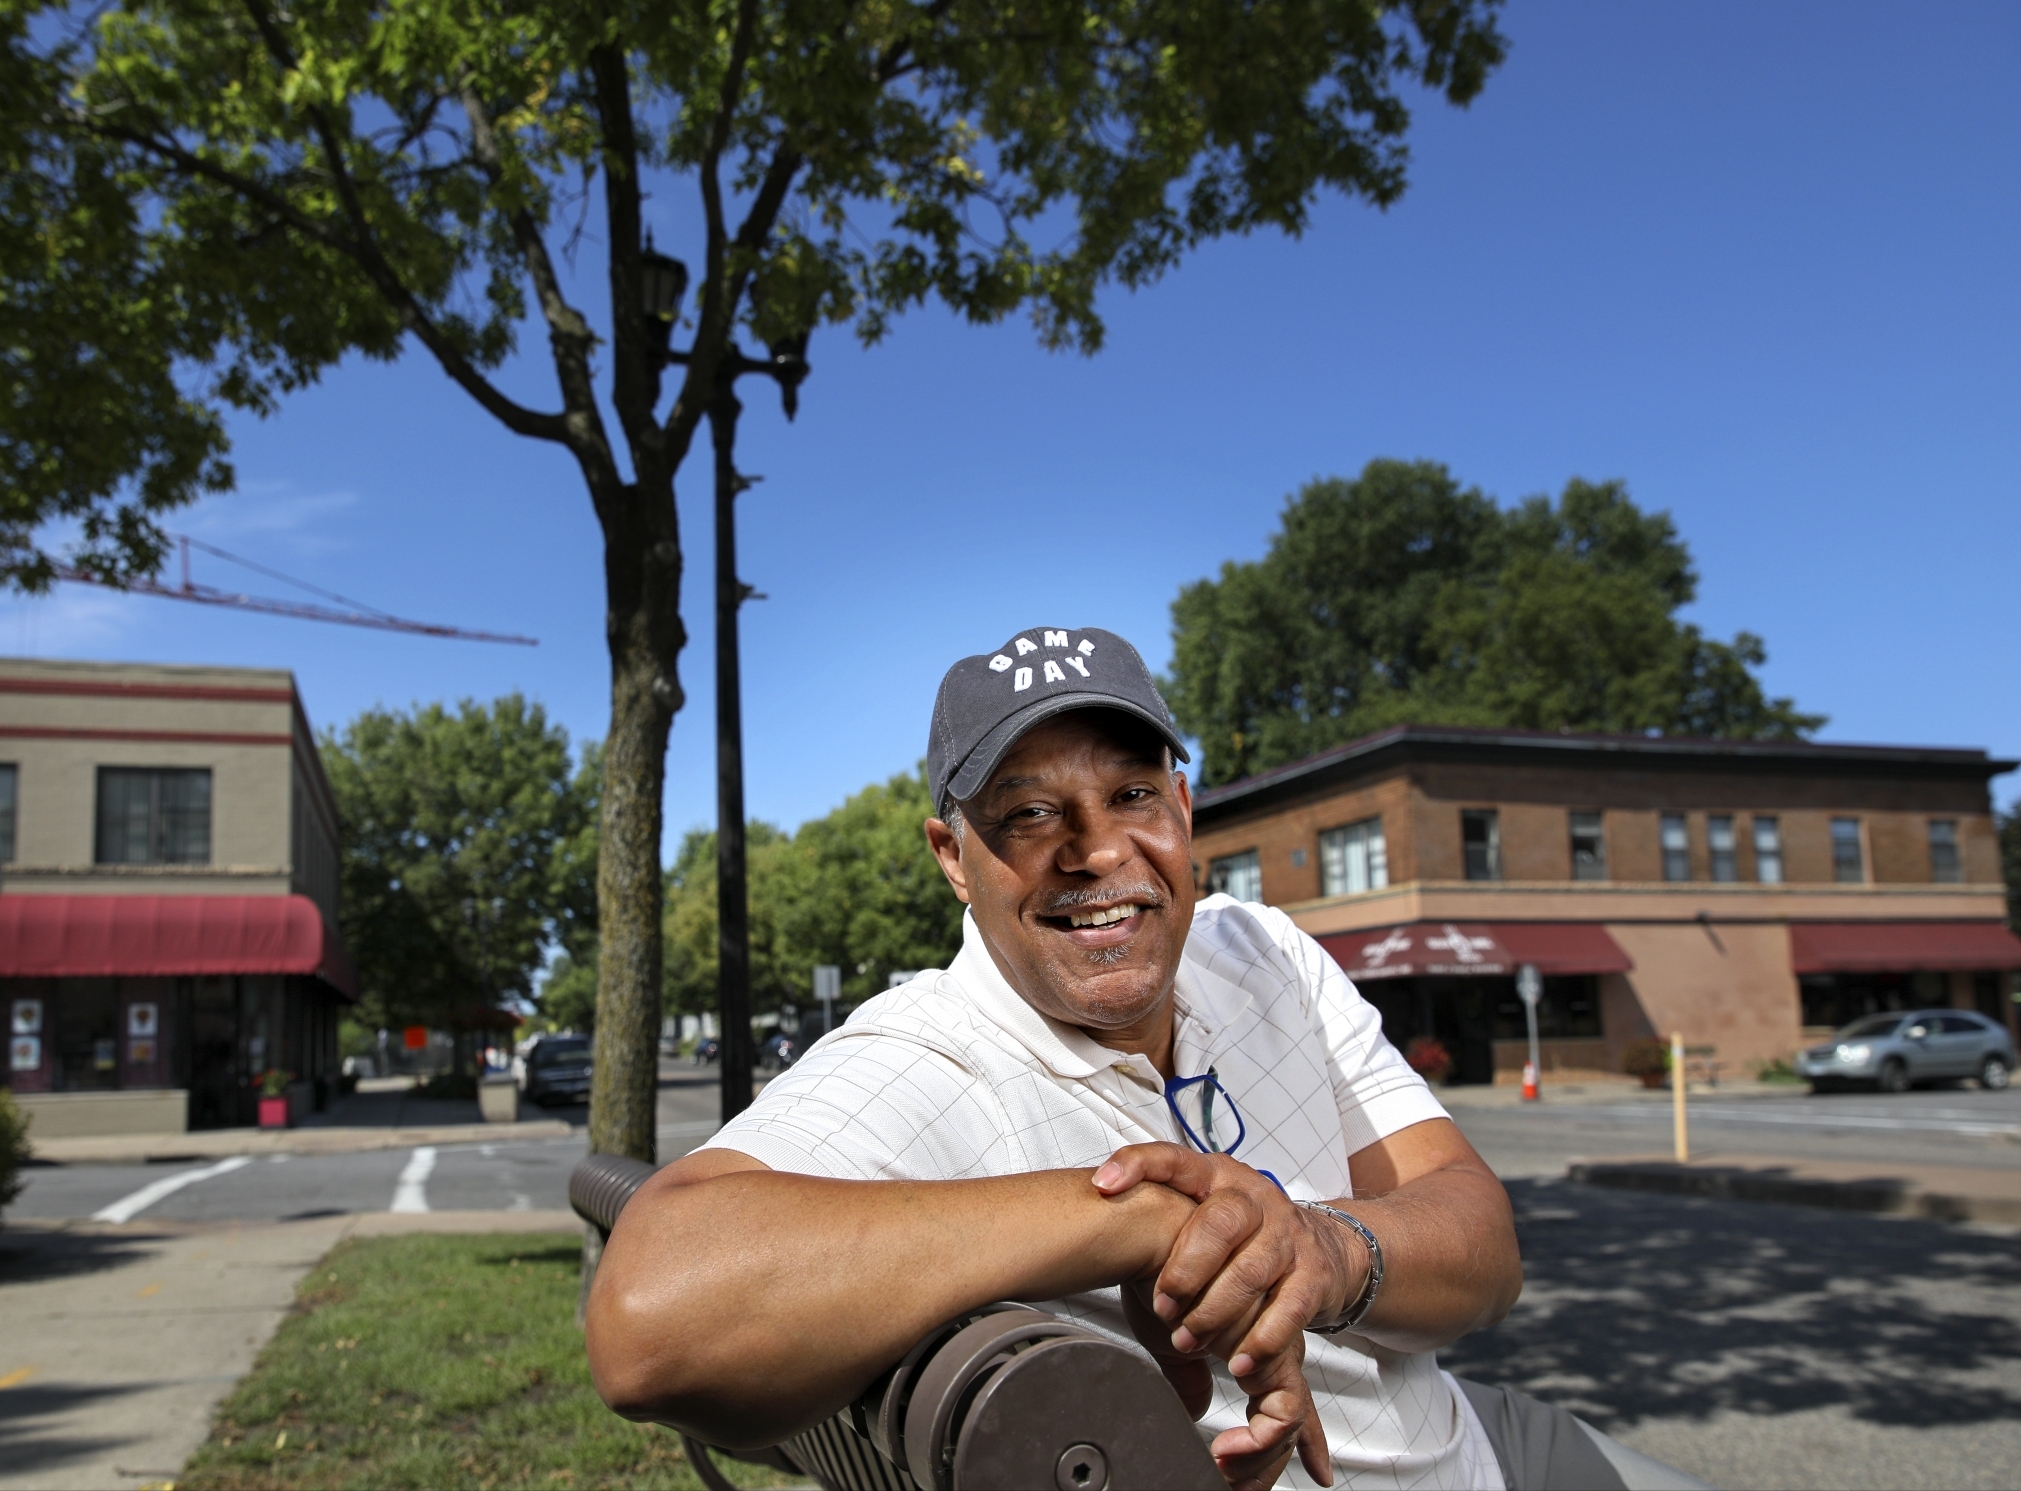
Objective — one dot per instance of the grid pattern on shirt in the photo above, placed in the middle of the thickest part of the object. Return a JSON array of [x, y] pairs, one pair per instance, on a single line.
[[953, 1076]]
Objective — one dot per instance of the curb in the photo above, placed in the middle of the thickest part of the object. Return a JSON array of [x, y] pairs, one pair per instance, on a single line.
[[140, 1149], [1877, 1195]]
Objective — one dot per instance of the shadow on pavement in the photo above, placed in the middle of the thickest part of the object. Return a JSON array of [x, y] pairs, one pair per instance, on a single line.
[[26, 1451], [1648, 1306], [28, 1256]]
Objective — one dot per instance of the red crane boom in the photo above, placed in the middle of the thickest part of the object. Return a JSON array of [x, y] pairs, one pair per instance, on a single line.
[[358, 614]]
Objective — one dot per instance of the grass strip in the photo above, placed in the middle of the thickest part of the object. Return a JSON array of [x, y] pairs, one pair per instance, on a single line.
[[436, 1361]]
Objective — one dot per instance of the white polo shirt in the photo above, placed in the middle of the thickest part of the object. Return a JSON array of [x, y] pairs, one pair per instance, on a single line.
[[953, 1076]]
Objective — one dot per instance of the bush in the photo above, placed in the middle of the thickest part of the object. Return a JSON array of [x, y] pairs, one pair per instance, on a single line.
[[1778, 1070], [13, 1146], [1429, 1058], [1645, 1058]]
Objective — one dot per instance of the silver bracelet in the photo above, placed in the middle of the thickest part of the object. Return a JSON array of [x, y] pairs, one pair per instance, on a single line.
[[1365, 1301]]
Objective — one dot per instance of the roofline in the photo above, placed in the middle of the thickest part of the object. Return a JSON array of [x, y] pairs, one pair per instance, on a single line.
[[1473, 741]]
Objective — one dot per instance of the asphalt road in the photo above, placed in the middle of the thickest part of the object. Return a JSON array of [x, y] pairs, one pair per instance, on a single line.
[[525, 1175], [1944, 1126], [1750, 1344]]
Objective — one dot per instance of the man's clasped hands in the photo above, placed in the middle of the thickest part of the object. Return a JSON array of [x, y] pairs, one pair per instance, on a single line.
[[1246, 1273]]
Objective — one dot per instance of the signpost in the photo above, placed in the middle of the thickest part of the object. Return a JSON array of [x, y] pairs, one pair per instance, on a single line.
[[1679, 1134], [1530, 987], [827, 989]]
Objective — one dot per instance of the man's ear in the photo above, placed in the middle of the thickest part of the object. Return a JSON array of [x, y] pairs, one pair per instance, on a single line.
[[947, 849], [1185, 796]]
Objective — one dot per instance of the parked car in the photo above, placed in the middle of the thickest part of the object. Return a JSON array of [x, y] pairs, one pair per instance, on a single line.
[[558, 1070], [779, 1051], [1894, 1051]]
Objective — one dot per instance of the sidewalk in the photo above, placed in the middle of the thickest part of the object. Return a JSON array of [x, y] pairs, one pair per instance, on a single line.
[[1574, 1089], [1945, 1193], [116, 1343], [382, 1115]]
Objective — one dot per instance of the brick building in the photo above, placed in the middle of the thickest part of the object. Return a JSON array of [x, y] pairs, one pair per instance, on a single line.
[[1749, 894], [168, 895]]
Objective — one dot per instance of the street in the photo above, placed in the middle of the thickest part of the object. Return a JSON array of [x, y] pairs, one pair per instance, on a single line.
[[1751, 1344], [506, 1176]]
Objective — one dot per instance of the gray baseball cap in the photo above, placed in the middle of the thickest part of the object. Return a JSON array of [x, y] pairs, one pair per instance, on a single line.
[[988, 701]]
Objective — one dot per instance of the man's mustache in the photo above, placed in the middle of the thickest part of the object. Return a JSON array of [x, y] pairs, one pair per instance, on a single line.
[[1066, 902]]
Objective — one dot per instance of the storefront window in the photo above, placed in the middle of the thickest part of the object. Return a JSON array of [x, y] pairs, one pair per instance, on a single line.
[[1353, 859], [1237, 875], [148, 816]]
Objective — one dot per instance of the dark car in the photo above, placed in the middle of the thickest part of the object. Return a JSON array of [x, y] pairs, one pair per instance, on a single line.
[[558, 1070], [1894, 1051]]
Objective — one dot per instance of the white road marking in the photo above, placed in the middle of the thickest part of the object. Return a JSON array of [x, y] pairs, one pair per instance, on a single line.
[[411, 1194], [520, 1202], [128, 1207]]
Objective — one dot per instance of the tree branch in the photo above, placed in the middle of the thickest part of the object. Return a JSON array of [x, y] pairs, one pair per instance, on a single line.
[[364, 250]]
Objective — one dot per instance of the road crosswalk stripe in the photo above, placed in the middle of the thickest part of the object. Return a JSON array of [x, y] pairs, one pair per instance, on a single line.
[[128, 1207], [410, 1194]]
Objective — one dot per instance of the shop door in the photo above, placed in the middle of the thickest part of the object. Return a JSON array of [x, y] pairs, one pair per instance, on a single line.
[[218, 1098]]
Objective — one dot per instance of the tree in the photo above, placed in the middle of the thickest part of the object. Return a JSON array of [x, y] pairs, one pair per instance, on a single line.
[[857, 888], [464, 854], [1402, 597], [208, 202]]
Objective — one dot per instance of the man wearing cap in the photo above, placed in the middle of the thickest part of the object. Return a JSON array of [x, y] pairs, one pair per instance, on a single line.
[[1172, 1119]]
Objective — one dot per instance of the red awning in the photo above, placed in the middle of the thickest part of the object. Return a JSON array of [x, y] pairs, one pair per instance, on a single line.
[[116, 936], [1901, 947], [1486, 949]]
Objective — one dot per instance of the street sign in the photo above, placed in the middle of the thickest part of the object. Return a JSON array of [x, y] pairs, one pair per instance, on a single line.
[[1530, 988], [827, 989]]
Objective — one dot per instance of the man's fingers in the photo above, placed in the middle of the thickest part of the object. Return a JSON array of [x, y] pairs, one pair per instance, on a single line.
[[1167, 1164], [1281, 1324], [1205, 1247]]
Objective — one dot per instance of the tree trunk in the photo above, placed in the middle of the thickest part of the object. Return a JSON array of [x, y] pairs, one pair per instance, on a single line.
[[642, 575], [733, 929]]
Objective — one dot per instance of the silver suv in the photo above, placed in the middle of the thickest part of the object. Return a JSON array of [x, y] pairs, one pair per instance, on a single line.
[[1893, 1051]]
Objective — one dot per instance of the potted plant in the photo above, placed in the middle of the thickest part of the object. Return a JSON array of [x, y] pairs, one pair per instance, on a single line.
[[274, 1098], [1648, 1059], [1428, 1057]]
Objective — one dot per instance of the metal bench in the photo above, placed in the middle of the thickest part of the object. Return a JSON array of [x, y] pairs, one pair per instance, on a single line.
[[1004, 1399]]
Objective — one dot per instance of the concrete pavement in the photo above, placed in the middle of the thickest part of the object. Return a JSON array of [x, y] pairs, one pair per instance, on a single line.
[[1945, 1193]]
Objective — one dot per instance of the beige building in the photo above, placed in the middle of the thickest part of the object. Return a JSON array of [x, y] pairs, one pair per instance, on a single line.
[[168, 894], [1747, 894]]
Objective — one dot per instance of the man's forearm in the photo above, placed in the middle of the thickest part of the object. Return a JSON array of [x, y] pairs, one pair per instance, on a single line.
[[743, 1307], [1450, 1259]]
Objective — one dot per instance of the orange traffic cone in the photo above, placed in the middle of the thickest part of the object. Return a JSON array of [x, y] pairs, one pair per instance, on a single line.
[[1529, 1081]]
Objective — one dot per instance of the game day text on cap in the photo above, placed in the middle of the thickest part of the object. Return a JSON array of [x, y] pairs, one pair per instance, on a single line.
[[986, 702]]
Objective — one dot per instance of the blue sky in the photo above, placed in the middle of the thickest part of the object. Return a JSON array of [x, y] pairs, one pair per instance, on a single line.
[[1757, 261]]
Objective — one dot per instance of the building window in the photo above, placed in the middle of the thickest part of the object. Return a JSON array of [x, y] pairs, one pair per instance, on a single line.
[[1768, 851], [1946, 868], [1848, 864], [1237, 875], [1719, 842], [153, 817], [1352, 859], [1481, 840], [1676, 842], [1589, 848], [8, 777]]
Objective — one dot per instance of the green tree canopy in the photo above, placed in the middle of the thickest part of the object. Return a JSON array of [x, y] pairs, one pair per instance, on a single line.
[[1401, 597], [469, 851], [204, 204], [858, 888]]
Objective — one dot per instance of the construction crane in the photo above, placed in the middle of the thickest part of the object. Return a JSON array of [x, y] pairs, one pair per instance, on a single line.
[[357, 614]]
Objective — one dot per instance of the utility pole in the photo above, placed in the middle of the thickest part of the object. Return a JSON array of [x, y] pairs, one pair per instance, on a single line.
[[733, 927]]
